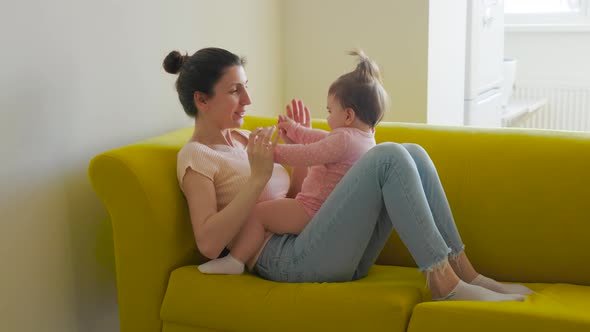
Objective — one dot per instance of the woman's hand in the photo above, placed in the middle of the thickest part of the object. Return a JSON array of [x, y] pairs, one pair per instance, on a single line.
[[299, 113], [260, 153]]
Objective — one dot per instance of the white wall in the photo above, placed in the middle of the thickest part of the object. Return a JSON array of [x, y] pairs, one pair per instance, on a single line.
[[78, 78], [318, 35], [550, 56]]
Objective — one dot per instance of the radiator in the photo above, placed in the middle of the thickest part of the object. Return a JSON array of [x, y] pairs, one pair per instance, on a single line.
[[567, 108]]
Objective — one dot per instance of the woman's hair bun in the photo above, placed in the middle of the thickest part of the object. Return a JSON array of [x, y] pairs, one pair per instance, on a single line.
[[174, 61]]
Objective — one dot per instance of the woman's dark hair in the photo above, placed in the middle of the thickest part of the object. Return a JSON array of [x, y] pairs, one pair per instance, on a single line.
[[199, 72], [362, 90]]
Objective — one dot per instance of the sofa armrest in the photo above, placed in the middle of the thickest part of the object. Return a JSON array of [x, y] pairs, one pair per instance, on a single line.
[[151, 232]]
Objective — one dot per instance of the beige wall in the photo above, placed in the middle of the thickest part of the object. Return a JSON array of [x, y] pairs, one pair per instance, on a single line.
[[318, 34], [78, 78]]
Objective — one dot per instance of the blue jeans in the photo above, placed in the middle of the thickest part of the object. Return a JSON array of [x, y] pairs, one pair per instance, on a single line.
[[391, 186]]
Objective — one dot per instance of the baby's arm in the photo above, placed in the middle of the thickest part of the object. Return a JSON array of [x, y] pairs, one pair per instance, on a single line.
[[330, 149], [302, 135], [297, 133]]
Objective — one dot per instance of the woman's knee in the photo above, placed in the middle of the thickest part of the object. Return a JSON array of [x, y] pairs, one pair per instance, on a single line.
[[387, 148], [416, 151], [423, 161], [414, 148], [388, 152]]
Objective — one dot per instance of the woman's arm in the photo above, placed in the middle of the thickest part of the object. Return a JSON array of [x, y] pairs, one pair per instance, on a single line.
[[214, 230]]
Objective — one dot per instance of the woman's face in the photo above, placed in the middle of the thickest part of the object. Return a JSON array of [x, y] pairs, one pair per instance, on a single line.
[[227, 107]]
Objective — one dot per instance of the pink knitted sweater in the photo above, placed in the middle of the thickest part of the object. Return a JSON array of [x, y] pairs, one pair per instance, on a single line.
[[329, 154]]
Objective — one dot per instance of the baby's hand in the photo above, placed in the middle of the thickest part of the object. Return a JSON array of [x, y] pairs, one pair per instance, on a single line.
[[283, 124], [298, 112]]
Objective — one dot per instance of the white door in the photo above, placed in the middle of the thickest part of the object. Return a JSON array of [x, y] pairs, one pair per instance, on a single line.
[[485, 111], [485, 46]]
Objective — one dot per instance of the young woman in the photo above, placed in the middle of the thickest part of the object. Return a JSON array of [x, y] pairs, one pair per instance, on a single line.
[[356, 102]]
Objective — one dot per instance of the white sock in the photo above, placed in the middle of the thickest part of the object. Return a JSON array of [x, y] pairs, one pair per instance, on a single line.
[[492, 284], [468, 292], [224, 265]]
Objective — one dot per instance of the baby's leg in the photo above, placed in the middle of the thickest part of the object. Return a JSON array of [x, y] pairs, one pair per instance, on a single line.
[[245, 244], [282, 216], [278, 216]]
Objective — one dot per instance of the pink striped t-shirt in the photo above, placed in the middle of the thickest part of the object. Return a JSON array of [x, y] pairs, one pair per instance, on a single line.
[[229, 169], [330, 155]]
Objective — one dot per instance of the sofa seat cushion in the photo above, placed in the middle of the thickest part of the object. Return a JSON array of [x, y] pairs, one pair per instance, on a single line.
[[553, 307], [382, 301]]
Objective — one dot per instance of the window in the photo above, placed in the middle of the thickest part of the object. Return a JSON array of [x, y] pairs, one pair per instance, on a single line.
[[546, 12]]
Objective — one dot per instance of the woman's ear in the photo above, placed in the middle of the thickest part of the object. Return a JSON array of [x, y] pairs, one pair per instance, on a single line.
[[350, 116], [200, 100]]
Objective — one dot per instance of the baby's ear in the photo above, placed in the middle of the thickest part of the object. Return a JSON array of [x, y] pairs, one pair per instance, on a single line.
[[350, 115]]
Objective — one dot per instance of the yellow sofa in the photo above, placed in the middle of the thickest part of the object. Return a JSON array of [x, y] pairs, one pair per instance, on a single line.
[[520, 199]]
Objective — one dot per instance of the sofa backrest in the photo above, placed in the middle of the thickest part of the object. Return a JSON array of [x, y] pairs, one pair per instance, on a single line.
[[520, 198]]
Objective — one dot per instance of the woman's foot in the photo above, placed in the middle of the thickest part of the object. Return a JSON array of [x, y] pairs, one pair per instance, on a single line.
[[445, 285], [463, 268], [467, 292], [495, 286]]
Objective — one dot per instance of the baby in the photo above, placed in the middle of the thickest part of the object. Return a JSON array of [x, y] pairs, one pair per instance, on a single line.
[[356, 103]]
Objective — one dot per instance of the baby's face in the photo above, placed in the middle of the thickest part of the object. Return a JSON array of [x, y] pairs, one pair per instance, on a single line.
[[336, 114]]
